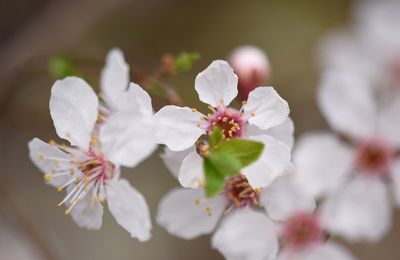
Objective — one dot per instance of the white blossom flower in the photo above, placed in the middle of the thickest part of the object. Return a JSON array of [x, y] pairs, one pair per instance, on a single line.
[[258, 119], [252, 66], [89, 170], [355, 175], [248, 222]]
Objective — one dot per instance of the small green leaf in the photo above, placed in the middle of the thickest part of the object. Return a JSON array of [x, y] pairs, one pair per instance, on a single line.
[[215, 181], [224, 163], [216, 137], [245, 151], [61, 66], [184, 61]]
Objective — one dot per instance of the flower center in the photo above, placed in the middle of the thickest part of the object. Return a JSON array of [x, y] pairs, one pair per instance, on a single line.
[[96, 167], [301, 230], [229, 120], [374, 157], [240, 193]]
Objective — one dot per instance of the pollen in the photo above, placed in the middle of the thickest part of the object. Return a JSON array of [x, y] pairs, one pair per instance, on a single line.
[[194, 110], [47, 177], [52, 142], [197, 201], [67, 211]]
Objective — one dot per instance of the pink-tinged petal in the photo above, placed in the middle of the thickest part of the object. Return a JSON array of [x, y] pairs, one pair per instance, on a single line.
[[87, 213], [51, 160], [191, 174], [129, 208], [128, 138], [346, 100], [327, 251], [266, 108], [282, 199], [136, 99], [322, 163], [187, 213], [361, 211], [395, 177], [247, 235], [178, 127], [217, 84], [74, 109], [173, 160], [283, 132], [274, 160], [389, 123], [114, 78]]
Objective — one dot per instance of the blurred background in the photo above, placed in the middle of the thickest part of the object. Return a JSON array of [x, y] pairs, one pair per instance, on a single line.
[[31, 31]]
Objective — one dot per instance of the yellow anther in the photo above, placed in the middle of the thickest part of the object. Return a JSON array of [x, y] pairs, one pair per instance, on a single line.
[[198, 125], [211, 108], [72, 171], [53, 170], [67, 212], [101, 199], [52, 142], [72, 161], [59, 189], [232, 122], [252, 114], [47, 177], [58, 205], [41, 157], [203, 118], [244, 102], [57, 161], [209, 211], [194, 110], [225, 119], [197, 201]]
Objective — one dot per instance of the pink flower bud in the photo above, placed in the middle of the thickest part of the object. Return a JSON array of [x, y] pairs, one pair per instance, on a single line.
[[252, 67]]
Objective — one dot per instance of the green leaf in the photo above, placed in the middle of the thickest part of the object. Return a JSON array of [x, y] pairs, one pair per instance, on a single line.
[[215, 181], [61, 66], [245, 151], [216, 137], [184, 61], [225, 163]]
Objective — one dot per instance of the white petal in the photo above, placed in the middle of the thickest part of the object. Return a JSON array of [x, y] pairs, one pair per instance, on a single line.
[[114, 77], [173, 160], [395, 177], [135, 99], [246, 235], [389, 123], [360, 211], [73, 107], [129, 208], [274, 160], [178, 127], [217, 84], [347, 102], [49, 159], [87, 213], [282, 198], [268, 107], [326, 251], [128, 138], [191, 174], [186, 213], [322, 163], [283, 132]]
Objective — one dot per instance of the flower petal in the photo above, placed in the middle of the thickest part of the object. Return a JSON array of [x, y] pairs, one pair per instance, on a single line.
[[274, 160], [136, 99], [327, 251], [114, 78], [282, 198], [283, 132], [191, 174], [267, 108], [395, 177], [178, 127], [87, 213], [173, 160], [73, 107], [128, 138], [129, 208], [347, 102], [322, 163], [246, 234], [50, 160], [187, 213], [217, 84], [389, 123], [360, 211]]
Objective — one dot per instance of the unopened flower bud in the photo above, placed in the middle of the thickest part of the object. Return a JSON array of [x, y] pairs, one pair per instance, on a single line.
[[167, 64], [252, 67]]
